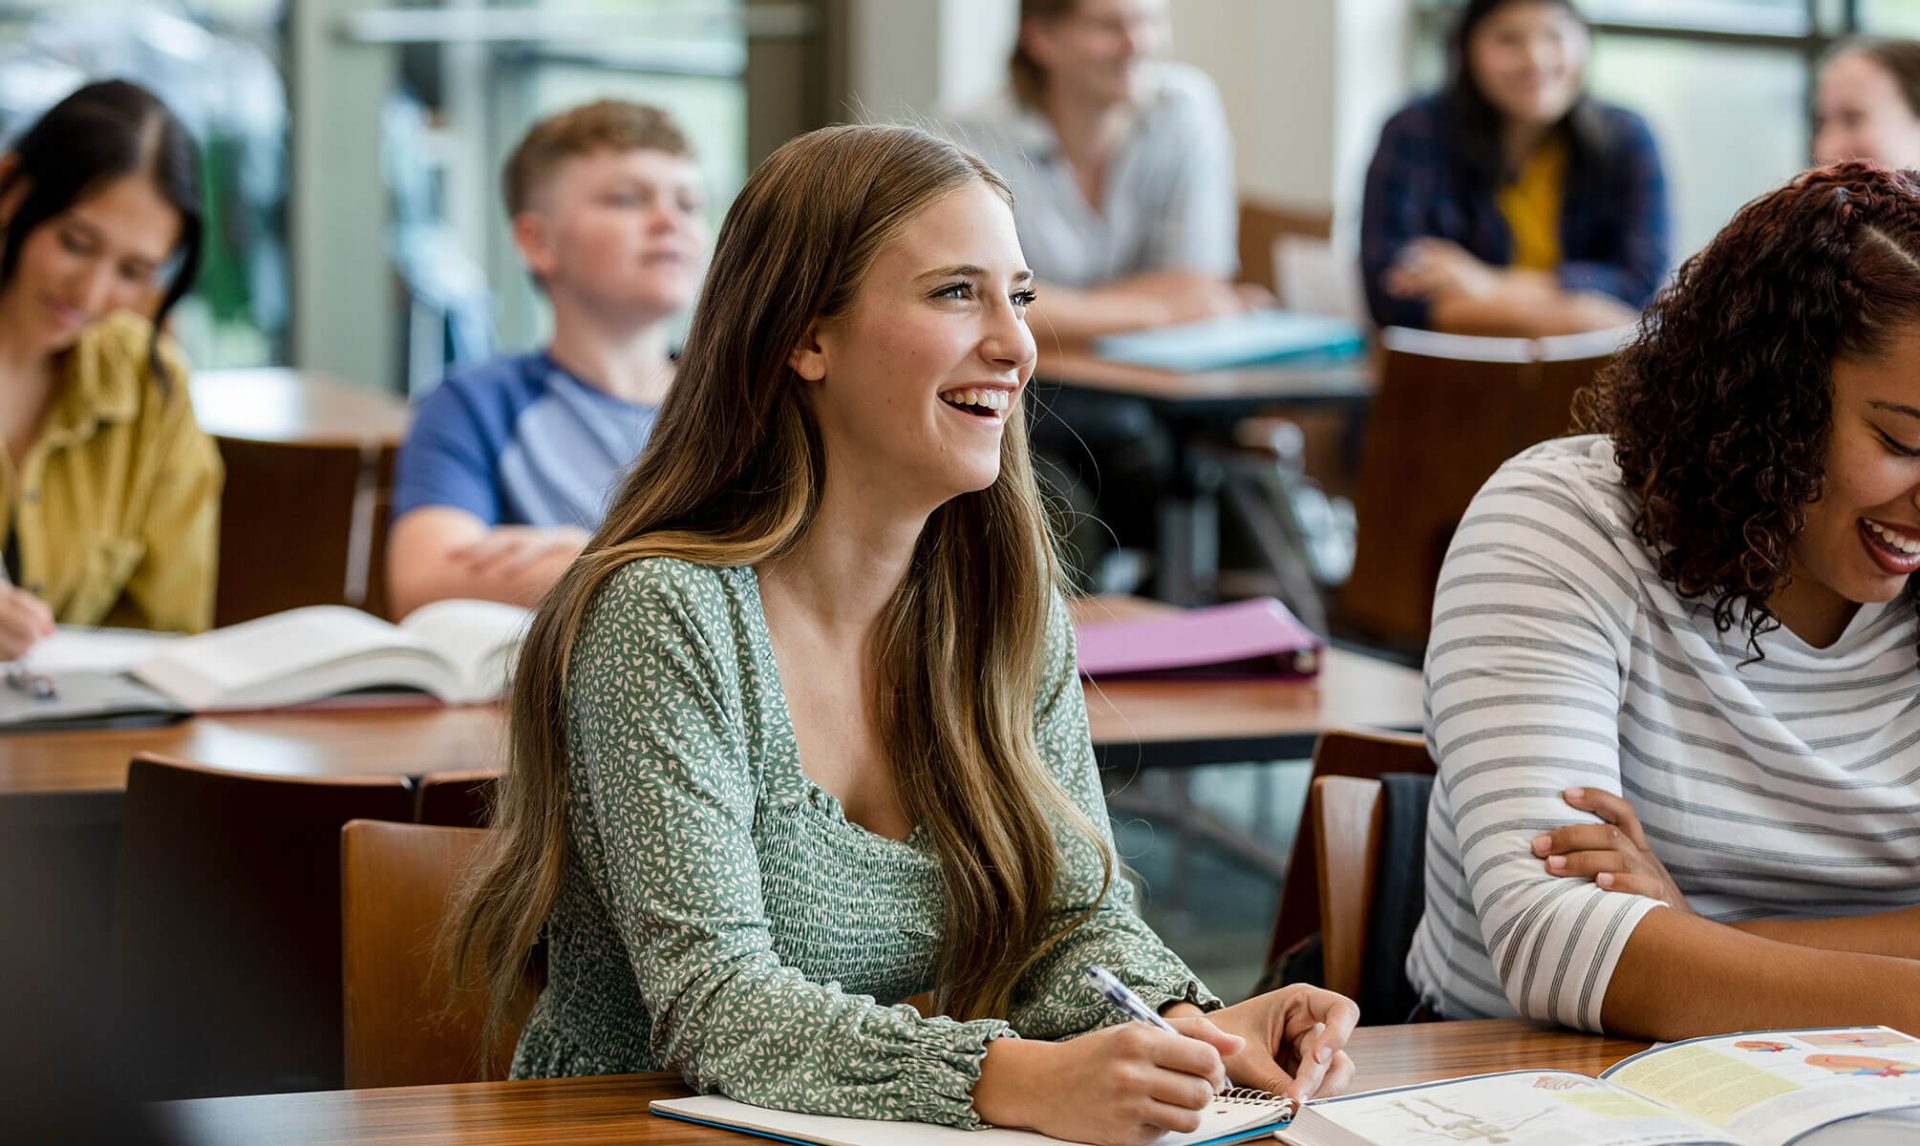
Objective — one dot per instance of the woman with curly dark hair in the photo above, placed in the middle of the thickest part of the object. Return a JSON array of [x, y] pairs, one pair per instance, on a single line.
[[1674, 662]]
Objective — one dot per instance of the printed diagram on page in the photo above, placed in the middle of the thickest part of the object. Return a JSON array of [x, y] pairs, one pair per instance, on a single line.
[[1431, 1119]]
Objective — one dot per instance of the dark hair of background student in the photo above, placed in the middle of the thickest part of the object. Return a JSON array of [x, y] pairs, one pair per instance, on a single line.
[[1028, 77], [1475, 124], [1720, 410], [103, 132]]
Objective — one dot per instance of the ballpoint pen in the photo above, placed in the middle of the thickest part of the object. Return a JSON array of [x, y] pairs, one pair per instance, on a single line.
[[1121, 996]]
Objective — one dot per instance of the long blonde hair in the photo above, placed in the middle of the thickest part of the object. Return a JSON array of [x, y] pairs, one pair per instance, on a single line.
[[732, 477]]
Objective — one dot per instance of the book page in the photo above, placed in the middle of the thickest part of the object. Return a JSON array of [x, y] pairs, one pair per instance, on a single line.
[[478, 638], [291, 657], [76, 649], [1773, 1086], [1499, 1109]]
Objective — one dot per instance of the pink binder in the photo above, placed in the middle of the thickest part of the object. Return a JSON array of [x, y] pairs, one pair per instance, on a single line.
[[1247, 638]]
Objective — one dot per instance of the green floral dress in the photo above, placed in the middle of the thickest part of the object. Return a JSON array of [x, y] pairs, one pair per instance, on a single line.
[[720, 916]]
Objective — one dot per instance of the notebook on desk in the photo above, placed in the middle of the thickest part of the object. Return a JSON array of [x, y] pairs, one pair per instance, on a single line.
[[1260, 637], [1255, 338], [1236, 1116]]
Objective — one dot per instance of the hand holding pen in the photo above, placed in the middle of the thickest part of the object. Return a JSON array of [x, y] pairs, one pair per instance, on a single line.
[[1120, 1085], [1292, 1040], [24, 620]]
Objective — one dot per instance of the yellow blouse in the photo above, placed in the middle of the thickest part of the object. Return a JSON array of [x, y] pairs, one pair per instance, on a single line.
[[1531, 205], [116, 506]]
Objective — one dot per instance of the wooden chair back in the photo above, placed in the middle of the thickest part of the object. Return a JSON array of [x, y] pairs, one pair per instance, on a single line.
[[380, 516], [405, 1023], [1346, 812], [1263, 225], [323, 553], [1449, 411], [227, 925], [456, 799], [1365, 755]]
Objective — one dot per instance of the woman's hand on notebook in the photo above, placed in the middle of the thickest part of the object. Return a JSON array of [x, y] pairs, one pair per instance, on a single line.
[[1119, 1086], [1296, 1041]]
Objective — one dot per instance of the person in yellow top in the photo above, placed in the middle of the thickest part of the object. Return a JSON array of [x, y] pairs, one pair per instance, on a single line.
[[109, 490], [1512, 202]]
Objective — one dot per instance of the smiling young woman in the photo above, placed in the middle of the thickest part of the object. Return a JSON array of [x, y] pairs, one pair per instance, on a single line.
[[800, 737], [1868, 104], [1512, 202], [1677, 663], [111, 490]]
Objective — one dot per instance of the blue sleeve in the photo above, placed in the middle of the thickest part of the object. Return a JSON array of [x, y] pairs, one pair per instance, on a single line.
[[1637, 192], [1404, 173], [449, 458]]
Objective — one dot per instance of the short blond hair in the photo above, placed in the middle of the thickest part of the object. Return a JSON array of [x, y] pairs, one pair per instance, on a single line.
[[604, 125]]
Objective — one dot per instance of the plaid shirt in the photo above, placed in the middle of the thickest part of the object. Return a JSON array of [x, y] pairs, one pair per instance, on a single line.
[[1613, 221]]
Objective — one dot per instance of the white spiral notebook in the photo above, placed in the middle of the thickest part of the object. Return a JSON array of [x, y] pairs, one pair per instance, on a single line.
[[1236, 1116]]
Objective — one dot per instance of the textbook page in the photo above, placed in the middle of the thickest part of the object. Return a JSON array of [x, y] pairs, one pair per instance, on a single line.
[[478, 638], [76, 648], [1772, 1087], [293, 657], [1523, 1106]]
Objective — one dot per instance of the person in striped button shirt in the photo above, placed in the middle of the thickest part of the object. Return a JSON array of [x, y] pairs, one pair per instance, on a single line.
[[1673, 684]]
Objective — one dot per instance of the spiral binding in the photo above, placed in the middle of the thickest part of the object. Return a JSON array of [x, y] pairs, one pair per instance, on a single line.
[[1249, 1095]]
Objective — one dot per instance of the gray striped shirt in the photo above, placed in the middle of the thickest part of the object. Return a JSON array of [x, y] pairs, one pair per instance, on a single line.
[[1558, 659]]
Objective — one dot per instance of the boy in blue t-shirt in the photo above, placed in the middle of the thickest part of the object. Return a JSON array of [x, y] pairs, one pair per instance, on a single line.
[[511, 463]]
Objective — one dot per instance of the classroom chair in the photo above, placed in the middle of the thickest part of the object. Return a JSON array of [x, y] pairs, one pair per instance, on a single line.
[[1264, 229], [1449, 411], [456, 799], [227, 925], [1369, 841], [1340, 752], [330, 552], [405, 1024]]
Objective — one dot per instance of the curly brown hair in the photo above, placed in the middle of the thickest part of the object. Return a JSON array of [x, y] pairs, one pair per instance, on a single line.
[[1720, 408]]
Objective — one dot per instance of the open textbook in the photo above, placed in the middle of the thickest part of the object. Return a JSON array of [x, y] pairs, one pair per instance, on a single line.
[[458, 651], [1858, 1085]]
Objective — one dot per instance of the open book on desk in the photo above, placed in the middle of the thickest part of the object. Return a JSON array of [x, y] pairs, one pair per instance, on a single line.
[[460, 652], [1236, 1116], [1855, 1085]]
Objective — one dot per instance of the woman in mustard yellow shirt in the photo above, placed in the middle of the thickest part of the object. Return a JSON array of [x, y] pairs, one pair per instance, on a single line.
[[109, 490], [1512, 202]]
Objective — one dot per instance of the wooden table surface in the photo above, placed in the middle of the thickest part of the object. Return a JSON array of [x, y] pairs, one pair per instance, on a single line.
[[614, 1109], [1135, 724], [359, 742], [274, 404]]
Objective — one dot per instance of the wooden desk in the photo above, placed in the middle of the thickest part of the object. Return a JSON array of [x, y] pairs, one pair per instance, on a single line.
[[344, 742], [293, 407], [1175, 724], [1136, 724], [610, 1109]]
